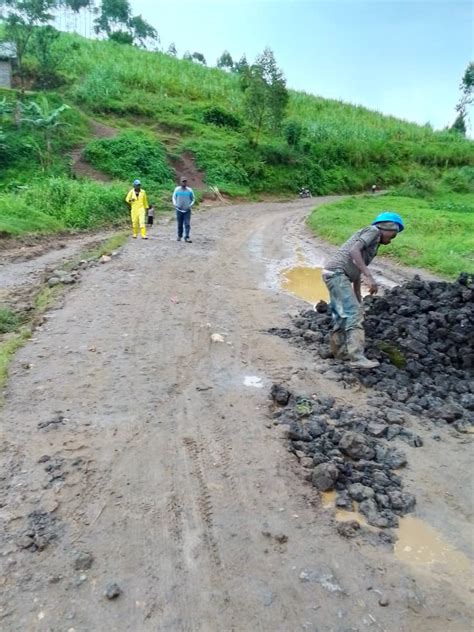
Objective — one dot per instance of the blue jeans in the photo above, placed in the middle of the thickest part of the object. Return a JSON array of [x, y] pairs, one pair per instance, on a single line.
[[183, 219], [347, 313]]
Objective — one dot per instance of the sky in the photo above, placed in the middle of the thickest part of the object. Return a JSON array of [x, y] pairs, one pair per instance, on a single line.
[[404, 58]]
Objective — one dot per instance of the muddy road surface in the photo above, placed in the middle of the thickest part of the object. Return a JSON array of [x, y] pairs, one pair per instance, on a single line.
[[144, 485]]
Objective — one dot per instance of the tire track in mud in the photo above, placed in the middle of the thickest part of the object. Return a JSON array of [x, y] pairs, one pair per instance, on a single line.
[[204, 501]]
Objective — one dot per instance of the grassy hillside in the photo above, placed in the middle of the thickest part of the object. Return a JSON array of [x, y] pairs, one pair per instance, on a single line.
[[163, 107]]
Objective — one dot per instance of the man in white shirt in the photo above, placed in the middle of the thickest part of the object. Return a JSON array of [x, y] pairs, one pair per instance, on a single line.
[[183, 200]]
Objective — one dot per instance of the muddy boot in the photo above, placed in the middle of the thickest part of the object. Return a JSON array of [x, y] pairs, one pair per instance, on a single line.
[[355, 349], [337, 345]]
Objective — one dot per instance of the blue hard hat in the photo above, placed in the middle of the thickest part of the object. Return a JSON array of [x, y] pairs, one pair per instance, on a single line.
[[387, 216], [136, 183]]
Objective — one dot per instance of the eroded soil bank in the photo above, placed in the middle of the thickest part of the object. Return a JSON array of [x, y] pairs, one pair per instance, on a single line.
[[145, 485]]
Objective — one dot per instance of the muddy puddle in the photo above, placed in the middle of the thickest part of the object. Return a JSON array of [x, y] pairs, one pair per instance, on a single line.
[[305, 282], [421, 545], [418, 543]]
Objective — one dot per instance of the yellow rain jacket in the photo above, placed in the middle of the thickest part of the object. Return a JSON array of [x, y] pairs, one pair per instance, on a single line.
[[138, 205]]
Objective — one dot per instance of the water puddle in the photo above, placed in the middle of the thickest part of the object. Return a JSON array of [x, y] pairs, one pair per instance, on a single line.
[[305, 283], [342, 515], [419, 543], [328, 499], [253, 380]]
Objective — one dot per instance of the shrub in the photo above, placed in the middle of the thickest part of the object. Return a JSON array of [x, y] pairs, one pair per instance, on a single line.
[[292, 130], [459, 180], [220, 117], [129, 155], [417, 184]]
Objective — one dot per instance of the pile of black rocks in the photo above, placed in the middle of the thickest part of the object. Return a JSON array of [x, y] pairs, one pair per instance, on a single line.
[[422, 333], [346, 451]]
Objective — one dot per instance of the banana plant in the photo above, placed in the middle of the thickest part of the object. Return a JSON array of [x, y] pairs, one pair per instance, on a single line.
[[40, 115]]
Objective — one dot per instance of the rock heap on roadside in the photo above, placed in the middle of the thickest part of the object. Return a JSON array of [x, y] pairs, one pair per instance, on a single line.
[[423, 335], [347, 451]]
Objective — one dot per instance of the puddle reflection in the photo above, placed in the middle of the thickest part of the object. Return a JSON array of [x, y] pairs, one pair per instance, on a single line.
[[306, 283]]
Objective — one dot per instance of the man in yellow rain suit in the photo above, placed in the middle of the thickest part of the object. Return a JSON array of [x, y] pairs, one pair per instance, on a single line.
[[138, 201]]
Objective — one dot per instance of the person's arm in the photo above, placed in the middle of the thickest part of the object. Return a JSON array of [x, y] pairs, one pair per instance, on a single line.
[[128, 197], [193, 199], [356, 285], [145, 201], [356, 255]]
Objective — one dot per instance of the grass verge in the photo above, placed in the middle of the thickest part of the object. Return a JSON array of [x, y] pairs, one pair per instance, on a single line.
[[15, 331], [438, 236]]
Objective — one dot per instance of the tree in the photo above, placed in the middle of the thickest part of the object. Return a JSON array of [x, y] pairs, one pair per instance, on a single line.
[[241, 65], [21, 18], [265, 93], [172, 50], [49, 56], [187, 55], [199, 57], [225, 61], [115, 20], [467, 98]]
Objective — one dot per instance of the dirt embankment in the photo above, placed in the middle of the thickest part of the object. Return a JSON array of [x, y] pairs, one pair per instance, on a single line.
[[136, 451]]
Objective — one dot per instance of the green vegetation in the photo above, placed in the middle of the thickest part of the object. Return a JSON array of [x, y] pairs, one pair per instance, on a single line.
[[260, 140], [9, 321], [8, 348], [394, 354], [64, 203], [439, 233], [131, 154]]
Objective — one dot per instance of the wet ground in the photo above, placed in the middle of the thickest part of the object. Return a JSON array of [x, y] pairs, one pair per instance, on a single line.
[[136, 449]]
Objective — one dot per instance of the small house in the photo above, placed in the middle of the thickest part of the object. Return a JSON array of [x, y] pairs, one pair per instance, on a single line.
[[7, 58]]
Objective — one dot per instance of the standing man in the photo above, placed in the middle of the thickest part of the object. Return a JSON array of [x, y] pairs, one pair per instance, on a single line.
[[138, 202], [342, 275], [183, 200]]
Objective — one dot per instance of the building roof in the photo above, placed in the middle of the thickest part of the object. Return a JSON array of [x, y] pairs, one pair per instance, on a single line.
[[7, 50]]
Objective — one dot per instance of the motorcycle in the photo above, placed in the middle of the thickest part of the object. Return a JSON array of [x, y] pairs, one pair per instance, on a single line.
[[304, 193]]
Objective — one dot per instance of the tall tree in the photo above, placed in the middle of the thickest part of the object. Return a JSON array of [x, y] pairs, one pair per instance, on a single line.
[[265, 93], [115, 20], [467, 98], [21, 18], [199, 57], [225, 61], [172, 50]]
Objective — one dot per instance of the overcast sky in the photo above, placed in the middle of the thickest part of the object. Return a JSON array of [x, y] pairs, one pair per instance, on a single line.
[[403, 57]]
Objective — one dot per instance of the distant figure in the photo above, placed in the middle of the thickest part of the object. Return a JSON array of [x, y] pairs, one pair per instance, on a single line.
[[183, 200], [150, 215], [374, 188], [138, 202]]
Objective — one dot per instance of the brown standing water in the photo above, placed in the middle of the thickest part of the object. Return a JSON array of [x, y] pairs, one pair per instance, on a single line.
[[306, 283]]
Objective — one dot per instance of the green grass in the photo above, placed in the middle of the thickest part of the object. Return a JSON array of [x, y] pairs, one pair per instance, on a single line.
[[8, 347], [438, 235], [9, 321]]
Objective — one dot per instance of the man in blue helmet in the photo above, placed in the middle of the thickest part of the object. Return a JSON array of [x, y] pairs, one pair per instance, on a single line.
[[342, 275]]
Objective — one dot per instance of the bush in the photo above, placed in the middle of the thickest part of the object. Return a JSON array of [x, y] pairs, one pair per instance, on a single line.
[[459, 180], [292, 131], [131, 155], [220, 117], [417, 184]]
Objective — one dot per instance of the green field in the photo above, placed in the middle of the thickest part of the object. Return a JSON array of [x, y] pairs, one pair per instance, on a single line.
[[438, 235]]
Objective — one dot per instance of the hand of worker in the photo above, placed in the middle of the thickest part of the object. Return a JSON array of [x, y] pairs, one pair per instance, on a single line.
[[373, 287]]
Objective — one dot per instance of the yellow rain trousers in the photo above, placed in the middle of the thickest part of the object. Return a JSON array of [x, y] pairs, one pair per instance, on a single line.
[[138, 205]]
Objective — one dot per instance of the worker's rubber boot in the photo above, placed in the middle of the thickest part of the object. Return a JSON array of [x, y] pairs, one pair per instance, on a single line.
[[355, 349], [337, 345]]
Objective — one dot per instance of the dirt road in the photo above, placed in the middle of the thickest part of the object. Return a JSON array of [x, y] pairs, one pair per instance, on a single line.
[[132, 438]]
